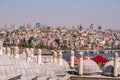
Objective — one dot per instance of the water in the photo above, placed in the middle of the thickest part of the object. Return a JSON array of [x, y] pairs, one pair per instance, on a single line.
[[91, 54]]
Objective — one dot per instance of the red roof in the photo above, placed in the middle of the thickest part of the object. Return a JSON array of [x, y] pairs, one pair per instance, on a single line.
[[75, 59], [86, 58], [99, 58]]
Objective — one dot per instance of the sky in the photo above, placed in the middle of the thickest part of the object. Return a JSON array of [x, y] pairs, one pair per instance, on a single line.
[[61, 12]]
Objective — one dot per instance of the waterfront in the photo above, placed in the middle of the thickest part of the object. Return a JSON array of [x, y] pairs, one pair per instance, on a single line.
[[91, 55], [59, 40]]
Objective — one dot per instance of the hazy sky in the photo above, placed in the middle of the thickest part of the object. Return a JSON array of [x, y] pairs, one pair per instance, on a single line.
[[61, 12]]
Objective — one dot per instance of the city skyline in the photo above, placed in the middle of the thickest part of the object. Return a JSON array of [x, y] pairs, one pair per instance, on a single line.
[[61, 13]]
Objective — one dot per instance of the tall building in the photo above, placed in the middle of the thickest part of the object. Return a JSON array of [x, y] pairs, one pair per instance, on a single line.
[[81, 27], [99, 27], [28, 26], [38, 25], [91, 26], [12, 27], [22, 27]]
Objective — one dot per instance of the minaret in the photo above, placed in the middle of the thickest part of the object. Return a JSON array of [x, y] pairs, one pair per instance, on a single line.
[[32, 54], [72, 59], [1, 47], [115, 64], [4, 50], [32, 51], [8, 51], [55, 57], [80, 71], [28, 53], [39, 57], [12, 52], [60, 58], [16, 52]]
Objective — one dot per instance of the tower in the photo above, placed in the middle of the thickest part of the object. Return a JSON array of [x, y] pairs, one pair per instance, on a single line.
[[72, 59], [99, 27], [80, 70], [38, 25], [91, 27], [115, 65]]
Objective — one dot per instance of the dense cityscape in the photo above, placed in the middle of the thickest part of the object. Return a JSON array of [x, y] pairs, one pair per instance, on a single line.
[[59, 39], [51, 37]]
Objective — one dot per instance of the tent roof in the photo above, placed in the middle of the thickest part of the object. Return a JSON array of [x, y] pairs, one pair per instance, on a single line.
[[99, 58], [75, 59]]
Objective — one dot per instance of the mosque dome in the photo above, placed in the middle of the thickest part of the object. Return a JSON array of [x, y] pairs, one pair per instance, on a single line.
[[46, 73], [25, 69], [40, 70], [7, 69], [109, 68], [36, 68], [65, 65], [43, 72], [90, 67], [54, 67]]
